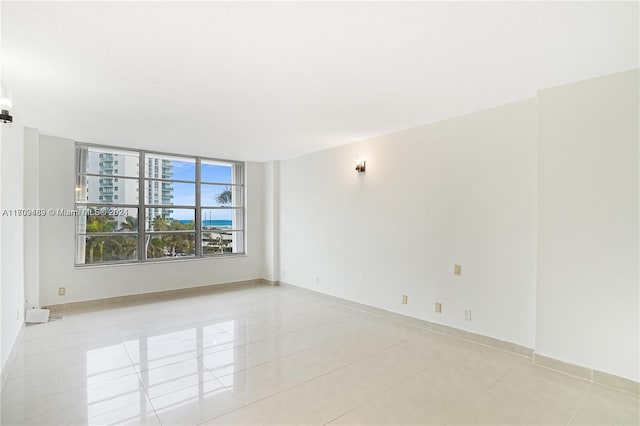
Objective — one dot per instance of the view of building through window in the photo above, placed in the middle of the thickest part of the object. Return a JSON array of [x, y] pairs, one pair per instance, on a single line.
[[190, 206]]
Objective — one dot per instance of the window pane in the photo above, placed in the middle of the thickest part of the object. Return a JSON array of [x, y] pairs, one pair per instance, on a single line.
[[219, 172], [106, 219], [159, 219], [106, 190], [222, 219], [111, 188], [105, 161], [168, 167], [215, 243], [169, 193], [93, 250], [221, 195], [170, 245]]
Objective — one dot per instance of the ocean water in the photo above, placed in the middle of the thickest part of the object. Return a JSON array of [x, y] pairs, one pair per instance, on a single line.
[[217, 223]]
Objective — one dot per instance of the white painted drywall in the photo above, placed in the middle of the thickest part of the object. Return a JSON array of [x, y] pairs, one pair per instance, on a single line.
[[57, 243], [270, 218], [12, 246], [588, 281], [31, 223], [459, 191], [3, 134]]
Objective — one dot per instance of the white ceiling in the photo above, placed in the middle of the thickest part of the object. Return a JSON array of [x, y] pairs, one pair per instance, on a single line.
[[262, 81]]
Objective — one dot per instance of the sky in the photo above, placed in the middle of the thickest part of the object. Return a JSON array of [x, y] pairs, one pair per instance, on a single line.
[[184, 193], [183, 169]]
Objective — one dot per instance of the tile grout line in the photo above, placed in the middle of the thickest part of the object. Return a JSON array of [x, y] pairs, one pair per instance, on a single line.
[[568, 374], [141, 383], [367, 317], [321, 375], [217, 378], [498, 380], [486, 391], [263, 324], [348, 335], [62, 391], [590, 381], [579, 404], [429, 326], [222, 331], [383, 392], [266, 340], [120, 340]]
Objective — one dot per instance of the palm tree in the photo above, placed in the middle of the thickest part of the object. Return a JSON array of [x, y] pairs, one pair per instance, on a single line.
[[155, 247], [125, 246], [152, 246], [220, 243], [160, 224], [98, 223], [174, 243], [130, 224], [225, 196]]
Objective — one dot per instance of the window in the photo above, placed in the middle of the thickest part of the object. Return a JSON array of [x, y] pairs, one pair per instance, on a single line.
[[165, 206]]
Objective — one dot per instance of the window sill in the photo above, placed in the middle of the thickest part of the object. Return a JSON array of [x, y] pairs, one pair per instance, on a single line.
[[159, 261]]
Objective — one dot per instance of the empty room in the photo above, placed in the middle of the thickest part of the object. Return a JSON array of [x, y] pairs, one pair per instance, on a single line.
[[320, 213]]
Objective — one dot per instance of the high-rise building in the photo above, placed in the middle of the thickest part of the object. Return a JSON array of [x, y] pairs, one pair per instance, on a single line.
[[157, 192], [111, 186], [112, 189]]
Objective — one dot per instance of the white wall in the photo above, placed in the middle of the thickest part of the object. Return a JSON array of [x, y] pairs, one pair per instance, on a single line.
[[465, 191], [57, 243], [271, 170], [31, 223], [12, 246], [458, 191], [588, 296], [4, 135]]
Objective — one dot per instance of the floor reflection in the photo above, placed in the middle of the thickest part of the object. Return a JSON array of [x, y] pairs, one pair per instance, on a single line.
[[126, 383]]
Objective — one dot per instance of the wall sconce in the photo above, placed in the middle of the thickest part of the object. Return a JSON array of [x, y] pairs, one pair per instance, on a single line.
[[361, 166], [6, 105]]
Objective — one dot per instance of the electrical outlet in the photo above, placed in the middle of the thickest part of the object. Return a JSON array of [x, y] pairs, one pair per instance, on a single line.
[[467, 314], [317, 279], [405, 299], [438, 307], [62, 291], [457, 269]]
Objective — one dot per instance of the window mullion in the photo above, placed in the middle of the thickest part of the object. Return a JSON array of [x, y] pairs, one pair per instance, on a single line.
[[198, 224], [172, 238], [142, 214]]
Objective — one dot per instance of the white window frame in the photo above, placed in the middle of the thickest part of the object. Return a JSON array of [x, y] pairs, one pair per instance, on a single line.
[[238, 186]]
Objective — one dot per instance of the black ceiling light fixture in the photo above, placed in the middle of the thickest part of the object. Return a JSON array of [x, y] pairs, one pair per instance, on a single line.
[[5, 106]]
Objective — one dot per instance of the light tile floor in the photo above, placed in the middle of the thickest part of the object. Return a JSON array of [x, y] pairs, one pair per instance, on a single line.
[[274, 355]]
